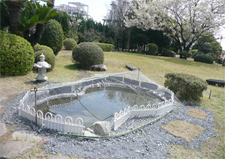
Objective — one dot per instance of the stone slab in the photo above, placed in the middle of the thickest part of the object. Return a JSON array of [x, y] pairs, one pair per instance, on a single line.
[[220, 83], [23, 136], [131, 68], [100, 67], [14, 148], [3, 129], [102, 128]]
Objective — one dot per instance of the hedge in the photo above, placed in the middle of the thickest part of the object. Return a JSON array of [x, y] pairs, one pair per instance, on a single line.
[[152, 49], [197, 53], [167, 52], [49, 58], [53, 36], [69, 43], [106, 47], [16, 55], [88, 54], [186, 87], [39, 47], [204, 58], [183, 54]]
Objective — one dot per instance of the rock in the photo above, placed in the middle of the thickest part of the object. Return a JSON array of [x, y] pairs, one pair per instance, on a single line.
[[14, 148], [23, 136], [3, 129], [131, 68], [100, 67], [102, 128]]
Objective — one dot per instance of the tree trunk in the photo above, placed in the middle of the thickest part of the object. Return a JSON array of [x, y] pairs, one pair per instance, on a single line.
[[128, 40], [35, 38], [14, 9]]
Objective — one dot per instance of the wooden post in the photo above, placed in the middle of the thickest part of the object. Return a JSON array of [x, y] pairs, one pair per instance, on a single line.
[[210, 94], [35, 96]]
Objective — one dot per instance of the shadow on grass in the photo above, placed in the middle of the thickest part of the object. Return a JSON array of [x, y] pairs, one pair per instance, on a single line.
[[72, 67], [75, 67], [173, 60]]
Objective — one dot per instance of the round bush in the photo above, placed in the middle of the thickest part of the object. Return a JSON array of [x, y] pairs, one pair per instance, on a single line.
[[152, 49], [204, 58], [69, 43], [183, 54], [39, 47], [16, 55], [219, 60], [167, 52], [49, 58], [197, 53], [53, 36], [186, 87], [88, 54]]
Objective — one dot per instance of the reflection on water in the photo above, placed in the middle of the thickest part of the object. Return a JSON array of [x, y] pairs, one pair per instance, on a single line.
[[97, 104]]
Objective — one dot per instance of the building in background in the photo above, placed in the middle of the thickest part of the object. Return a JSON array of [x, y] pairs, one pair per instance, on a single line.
[[117, 12], [74, 8]]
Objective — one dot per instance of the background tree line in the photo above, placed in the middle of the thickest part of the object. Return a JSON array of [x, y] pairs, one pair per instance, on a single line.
[[129, 25]]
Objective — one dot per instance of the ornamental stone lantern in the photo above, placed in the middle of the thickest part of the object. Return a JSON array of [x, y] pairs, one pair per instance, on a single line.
[[42, 66]]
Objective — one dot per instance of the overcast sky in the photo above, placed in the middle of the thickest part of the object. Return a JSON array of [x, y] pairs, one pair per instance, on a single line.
[[98, 9]]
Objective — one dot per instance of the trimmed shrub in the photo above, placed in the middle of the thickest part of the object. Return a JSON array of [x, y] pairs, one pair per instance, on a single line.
[[16, 55], [88, 54], [183, 54], [49, 58], [53, 36], [152, 49], [69, 43], [106, 47], [167, 52], [39, 47], [204, 58], [186, 87], [219, 60], [193, 51], [197, 53]]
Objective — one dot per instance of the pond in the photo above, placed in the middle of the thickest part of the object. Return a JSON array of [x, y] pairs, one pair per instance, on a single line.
[[98, 104]]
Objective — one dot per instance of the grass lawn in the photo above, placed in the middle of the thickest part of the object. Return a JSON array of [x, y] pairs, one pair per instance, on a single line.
[[155, 67]]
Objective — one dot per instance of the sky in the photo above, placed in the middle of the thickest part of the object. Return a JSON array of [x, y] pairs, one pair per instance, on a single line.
[[222, 33], [98, 9]]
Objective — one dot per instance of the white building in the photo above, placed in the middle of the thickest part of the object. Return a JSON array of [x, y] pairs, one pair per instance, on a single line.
[[74, 8]]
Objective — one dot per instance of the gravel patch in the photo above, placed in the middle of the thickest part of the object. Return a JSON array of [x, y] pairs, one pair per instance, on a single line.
[[150, 141]]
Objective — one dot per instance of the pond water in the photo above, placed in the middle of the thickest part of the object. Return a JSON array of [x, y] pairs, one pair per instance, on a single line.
[[98, 104]]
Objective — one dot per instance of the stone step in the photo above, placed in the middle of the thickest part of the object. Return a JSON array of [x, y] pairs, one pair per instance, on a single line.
[[3, 129], [14, 148]]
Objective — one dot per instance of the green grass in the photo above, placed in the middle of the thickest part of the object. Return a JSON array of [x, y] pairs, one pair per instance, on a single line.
[[155, 67], [65, 70]]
